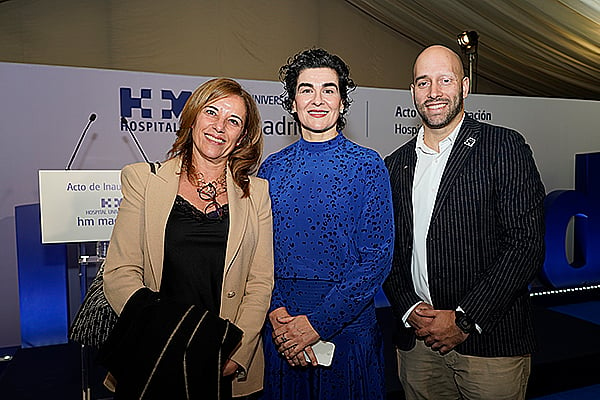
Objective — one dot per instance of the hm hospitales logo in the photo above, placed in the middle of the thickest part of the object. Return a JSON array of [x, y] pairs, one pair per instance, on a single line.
[[149, 111]]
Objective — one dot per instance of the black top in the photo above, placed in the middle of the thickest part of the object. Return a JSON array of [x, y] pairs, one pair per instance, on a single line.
[[194, 256]]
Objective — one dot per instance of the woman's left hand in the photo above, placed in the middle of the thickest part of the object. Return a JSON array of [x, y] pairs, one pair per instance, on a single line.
[[230, 368], [294, 336]]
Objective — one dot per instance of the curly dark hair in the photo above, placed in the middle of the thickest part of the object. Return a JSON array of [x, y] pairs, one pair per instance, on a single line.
[[245, 158], [315, 58]]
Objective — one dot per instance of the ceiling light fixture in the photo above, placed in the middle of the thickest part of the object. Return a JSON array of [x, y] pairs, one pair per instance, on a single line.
[[468, 41]]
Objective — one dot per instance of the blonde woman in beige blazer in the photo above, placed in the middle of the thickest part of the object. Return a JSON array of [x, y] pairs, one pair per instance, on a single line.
[[218, 145]]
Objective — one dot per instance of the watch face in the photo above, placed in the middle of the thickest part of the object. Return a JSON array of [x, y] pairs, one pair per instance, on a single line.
[[464, 323]]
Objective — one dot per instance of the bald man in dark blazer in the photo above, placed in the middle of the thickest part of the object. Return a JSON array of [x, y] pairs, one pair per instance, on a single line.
[[468, 205]]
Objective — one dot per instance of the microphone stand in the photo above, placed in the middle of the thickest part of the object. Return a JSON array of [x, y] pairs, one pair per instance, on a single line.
[[152, 165], [92, 119], [124, 122], [83, 261]]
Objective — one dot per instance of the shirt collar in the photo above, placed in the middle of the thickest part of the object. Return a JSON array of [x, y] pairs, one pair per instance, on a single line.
[[444, 144]]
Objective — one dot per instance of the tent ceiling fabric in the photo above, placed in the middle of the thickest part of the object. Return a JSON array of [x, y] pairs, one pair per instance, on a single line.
[[547, 48]]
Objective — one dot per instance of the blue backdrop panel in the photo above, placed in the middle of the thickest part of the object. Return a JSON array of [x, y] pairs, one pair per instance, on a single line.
[[42, 282]]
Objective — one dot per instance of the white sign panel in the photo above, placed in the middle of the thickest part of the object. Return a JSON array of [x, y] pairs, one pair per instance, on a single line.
[[78, 206]]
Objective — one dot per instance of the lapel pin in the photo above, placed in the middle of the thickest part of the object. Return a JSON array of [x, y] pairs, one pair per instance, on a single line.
[[470, 142]]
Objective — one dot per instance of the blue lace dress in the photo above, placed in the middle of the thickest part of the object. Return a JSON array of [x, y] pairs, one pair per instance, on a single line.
[[333, 236]]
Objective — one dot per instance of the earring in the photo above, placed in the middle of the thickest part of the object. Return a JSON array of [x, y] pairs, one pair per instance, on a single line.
[[240, 140]]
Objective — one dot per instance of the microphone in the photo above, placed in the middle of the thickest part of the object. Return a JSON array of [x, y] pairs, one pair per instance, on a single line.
[[91, 119], [124, 121]]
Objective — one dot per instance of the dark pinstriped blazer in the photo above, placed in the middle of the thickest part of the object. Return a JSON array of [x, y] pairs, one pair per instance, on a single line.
[[485, 241]]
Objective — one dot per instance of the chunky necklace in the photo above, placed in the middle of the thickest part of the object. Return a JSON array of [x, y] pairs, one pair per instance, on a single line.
[[210, 191]]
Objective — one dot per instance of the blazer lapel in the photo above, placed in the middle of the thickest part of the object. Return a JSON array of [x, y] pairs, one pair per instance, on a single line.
[[407, 171], [238, 219], [466, 141], [160, 195]]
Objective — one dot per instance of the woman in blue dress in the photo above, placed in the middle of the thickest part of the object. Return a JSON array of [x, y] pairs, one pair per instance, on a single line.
[[333, 238]]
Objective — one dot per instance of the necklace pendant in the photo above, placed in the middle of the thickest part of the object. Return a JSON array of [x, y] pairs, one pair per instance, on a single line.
[[207, 192]]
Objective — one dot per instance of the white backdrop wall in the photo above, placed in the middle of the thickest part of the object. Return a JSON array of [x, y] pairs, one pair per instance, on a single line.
[[43, 110]]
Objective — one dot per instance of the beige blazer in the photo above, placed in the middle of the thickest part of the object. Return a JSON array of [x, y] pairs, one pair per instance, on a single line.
[[135, 254]]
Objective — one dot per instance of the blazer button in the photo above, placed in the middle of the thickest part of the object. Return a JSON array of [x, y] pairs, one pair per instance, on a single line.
[[230, 294]]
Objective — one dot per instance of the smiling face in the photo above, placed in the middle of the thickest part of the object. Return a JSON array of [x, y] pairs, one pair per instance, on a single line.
[[318, 103], [218, 128], [439, 88]]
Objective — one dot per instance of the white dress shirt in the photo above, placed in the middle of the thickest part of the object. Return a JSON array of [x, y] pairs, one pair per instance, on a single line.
[[428, 175]]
